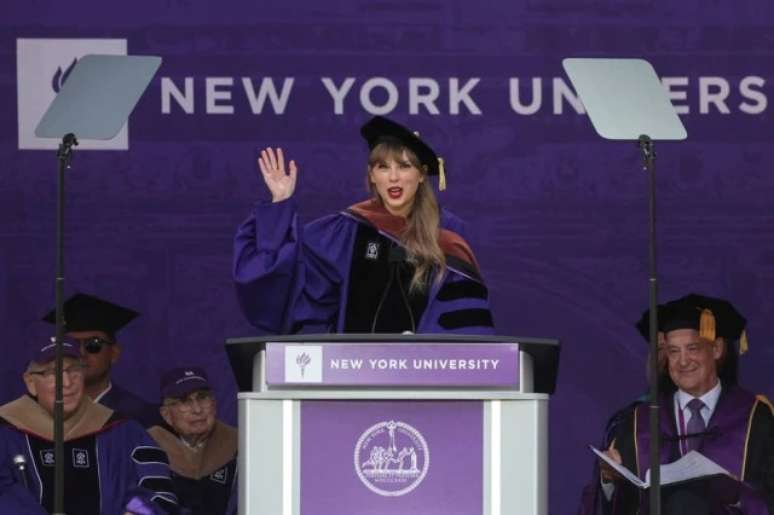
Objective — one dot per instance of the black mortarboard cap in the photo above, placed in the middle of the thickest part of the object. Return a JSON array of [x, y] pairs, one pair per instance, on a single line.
[[712, 317], [83, 312], [379, 129]]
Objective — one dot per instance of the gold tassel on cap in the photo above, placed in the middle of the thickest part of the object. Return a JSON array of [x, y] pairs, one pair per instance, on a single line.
[[743, 343], [441, 175], [707, 325]]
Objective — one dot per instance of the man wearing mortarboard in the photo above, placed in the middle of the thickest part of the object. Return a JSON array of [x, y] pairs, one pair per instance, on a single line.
[[702, 408], [93, 323], [202, 450], [593, 499], [111, 465]]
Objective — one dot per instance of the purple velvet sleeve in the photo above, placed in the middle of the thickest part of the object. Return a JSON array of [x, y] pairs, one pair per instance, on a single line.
[[134, 472], [266, 249], [289, 275]]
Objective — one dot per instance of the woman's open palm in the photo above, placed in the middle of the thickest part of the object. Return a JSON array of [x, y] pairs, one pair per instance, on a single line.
[[281, 182]]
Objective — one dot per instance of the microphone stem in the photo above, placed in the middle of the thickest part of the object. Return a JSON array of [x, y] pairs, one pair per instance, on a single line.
[[384, 297], [23, 475], [406, 302]]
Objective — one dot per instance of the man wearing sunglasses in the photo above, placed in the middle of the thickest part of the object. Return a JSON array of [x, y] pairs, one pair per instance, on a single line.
[[111, 464], [93, 323], [202, 450]]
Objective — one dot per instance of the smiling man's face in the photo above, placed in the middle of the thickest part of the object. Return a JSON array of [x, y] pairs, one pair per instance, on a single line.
[[692, 361]]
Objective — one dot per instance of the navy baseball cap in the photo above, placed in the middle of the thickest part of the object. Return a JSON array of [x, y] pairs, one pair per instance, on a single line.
[[48, 352], [179, 382]]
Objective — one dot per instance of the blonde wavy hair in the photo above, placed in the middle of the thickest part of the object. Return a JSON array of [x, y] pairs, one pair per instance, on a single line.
[[423, 222]]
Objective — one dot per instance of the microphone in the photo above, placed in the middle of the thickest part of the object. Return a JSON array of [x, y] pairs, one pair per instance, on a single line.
[[20, 462]]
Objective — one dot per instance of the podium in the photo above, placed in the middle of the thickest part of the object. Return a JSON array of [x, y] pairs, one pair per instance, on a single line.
[[393, 424]]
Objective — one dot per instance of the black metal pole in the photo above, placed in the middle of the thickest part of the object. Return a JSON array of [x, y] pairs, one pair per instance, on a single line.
[[64, 155], [648, 161]]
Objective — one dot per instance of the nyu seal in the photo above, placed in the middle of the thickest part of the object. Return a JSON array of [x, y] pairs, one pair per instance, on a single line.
[[391, 458]]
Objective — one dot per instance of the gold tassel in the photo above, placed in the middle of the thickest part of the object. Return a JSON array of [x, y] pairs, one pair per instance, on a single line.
[[441, 175], [743, 343], [707, 325]]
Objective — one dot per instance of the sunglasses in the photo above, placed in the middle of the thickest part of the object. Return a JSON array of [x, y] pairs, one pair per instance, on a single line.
[[94, 345]]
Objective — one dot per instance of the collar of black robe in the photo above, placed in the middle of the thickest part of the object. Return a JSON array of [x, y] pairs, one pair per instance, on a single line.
[[28, 416], [451, 243]]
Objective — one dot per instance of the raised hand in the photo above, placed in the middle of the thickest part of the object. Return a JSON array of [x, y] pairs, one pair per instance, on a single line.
[[281, 183]]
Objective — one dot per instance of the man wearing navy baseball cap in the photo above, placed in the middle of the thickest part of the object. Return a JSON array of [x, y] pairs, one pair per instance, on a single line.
[[100, 445], [202, 450]]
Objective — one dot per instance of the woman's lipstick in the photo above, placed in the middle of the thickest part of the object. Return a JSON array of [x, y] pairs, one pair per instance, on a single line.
[[395, 192]]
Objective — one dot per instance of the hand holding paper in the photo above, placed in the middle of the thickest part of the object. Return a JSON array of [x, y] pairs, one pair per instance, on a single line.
[[692, 466]]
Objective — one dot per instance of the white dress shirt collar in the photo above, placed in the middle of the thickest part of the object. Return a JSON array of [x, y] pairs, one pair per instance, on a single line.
[[710, 400]]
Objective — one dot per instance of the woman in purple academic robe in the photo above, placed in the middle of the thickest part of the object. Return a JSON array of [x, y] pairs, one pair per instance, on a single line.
[[393, 263]]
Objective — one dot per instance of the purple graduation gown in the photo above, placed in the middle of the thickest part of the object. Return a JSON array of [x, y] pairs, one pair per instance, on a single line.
[[740, 438], [127, 467], [292, 278]]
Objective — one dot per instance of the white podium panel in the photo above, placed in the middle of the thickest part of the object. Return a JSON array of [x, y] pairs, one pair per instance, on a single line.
[[369, 428]]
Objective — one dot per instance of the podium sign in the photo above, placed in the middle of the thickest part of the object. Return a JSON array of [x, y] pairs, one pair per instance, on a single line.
[[390, 458], [393, 424], [370, 364]]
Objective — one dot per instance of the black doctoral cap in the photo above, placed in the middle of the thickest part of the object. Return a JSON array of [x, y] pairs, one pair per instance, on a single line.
[[379, 129], [83, 312], [711, 316]]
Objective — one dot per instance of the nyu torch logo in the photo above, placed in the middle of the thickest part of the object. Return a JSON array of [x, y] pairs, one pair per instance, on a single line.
[[302, 360], [61, 76], [43, 66], [303, 364]]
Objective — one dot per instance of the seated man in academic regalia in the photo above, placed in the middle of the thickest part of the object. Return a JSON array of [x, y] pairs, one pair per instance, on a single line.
[[202, 450], [593, 498], [702, 409], [93, 323], [111, 465]]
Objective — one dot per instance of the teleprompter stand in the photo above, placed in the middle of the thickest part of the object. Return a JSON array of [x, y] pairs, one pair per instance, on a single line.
[[626, 101], [94, 103]]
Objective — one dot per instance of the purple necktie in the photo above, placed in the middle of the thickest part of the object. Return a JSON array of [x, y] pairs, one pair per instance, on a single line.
[[695, 425]]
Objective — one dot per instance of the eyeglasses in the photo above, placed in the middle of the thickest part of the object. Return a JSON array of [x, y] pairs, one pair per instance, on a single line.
[[203, 399], [73, 371], [94, 345]]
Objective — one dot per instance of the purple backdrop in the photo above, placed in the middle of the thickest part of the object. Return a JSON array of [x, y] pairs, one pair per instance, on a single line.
[[558, 216]]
